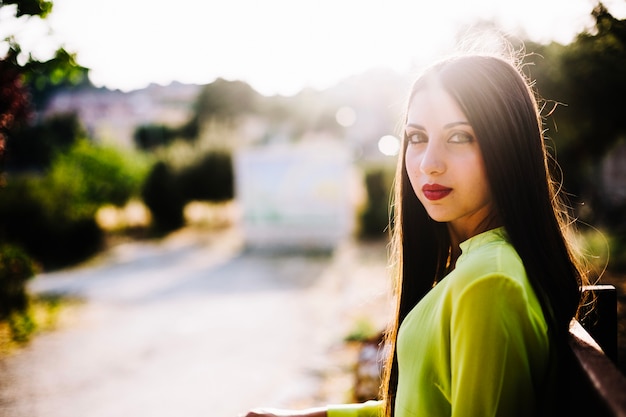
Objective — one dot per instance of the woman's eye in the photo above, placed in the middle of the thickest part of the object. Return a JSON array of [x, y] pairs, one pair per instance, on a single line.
[[417, 137], [460, 137]]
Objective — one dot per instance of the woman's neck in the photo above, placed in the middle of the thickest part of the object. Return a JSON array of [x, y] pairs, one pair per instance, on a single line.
[[459, 235]]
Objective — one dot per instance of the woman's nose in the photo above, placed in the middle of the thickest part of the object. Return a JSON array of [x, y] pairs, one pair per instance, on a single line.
[[432, 160]]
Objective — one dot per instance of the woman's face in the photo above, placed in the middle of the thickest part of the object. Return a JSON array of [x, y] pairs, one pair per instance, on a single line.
[[445, 165]]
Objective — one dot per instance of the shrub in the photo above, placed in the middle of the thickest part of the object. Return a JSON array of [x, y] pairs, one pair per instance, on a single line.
[[52, 216], [209, 179], [162, 196], [16, 268], [35, 146], [374, 218], [167, 190], [42, 220], [605, 249], [150, 136], [22, 326], [93, 175]]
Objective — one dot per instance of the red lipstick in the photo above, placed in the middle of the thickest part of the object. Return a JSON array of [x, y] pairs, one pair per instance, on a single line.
[[435, 191]]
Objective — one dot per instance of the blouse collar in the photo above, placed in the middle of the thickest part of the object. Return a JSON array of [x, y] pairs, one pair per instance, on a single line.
[[493, 235]]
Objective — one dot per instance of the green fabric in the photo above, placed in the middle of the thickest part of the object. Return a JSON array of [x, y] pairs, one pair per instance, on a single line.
[[476, 344], [366, 409]]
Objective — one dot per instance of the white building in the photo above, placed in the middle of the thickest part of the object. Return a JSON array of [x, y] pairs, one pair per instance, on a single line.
[[299, 196]]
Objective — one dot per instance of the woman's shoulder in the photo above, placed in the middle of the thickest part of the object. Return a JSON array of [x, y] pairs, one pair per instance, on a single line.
[[490, 256], [493, 274]]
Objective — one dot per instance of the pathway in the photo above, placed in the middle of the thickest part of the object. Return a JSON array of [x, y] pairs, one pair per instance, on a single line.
[[193, 326]]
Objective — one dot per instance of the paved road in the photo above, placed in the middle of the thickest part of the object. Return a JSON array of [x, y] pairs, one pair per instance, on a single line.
[[190, 326]]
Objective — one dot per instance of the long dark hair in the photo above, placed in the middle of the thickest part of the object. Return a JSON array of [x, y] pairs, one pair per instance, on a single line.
[[502, 109]]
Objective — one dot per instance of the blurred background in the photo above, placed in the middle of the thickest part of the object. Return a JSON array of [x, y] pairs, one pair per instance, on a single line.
[[263, 135]]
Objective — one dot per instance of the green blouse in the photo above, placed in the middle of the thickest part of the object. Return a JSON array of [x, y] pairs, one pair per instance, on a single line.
[[475, 345]]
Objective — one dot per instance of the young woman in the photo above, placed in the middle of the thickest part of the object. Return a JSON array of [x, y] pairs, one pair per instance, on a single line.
[[488, 281]]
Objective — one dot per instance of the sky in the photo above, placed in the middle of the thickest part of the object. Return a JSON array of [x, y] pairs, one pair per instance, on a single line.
[[281, 46]]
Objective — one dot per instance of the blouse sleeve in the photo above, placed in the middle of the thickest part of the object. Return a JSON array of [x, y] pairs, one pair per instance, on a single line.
[[493, 342], [367, 409]]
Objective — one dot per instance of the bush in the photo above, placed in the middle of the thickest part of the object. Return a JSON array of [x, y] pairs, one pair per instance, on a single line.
[[605, 249], [16, 268], [374, 218], [53, 216], [167, 190], [22, 326], [148, 137], [34, 147], [152, 136], [42, 219], [94, 175], [209, 179], [162, 196]]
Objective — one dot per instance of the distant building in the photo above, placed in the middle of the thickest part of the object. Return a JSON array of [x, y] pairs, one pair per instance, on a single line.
[[297, 196], [114, 115]]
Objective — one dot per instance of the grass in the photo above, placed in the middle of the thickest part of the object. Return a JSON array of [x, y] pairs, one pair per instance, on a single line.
[[45, 313], [362, 330]]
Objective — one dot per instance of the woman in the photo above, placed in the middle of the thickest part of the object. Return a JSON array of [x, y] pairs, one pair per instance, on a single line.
[[487, 279]]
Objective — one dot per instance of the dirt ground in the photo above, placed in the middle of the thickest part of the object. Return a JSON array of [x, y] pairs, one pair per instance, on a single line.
[[197, 325]]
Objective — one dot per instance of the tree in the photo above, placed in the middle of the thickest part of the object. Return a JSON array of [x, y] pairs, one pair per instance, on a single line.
[[596, 66], [33, 147], [15, 105], [39, 8], [26, 83], [225, 100], [45, 78], [584, 81]]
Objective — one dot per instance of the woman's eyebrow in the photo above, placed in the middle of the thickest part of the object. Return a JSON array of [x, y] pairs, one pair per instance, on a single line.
[[455, 124], [414, 126], [446, 126]]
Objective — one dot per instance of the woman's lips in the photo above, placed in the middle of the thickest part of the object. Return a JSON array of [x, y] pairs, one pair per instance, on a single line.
[[435, 191]]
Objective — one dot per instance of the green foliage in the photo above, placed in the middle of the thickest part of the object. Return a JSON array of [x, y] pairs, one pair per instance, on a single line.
[[27, 84], [22, 326], [617, 254], [374, 217], [163, 198], [33, 147], [43, 313], [209, 179], [15, 107], [90, 176], [589, 70], [222, 102], [224, 99], [362, 330], [30, 7], [295, 116], [45, 78], [169, 188], [16, 268], [53, 216], [586, 79], [603, 249], [616, 260], [41, 78], [151, 136], [44, 222]]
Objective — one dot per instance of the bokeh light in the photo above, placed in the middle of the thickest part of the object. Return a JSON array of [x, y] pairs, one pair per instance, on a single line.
[[345, 116], [389, 145]]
